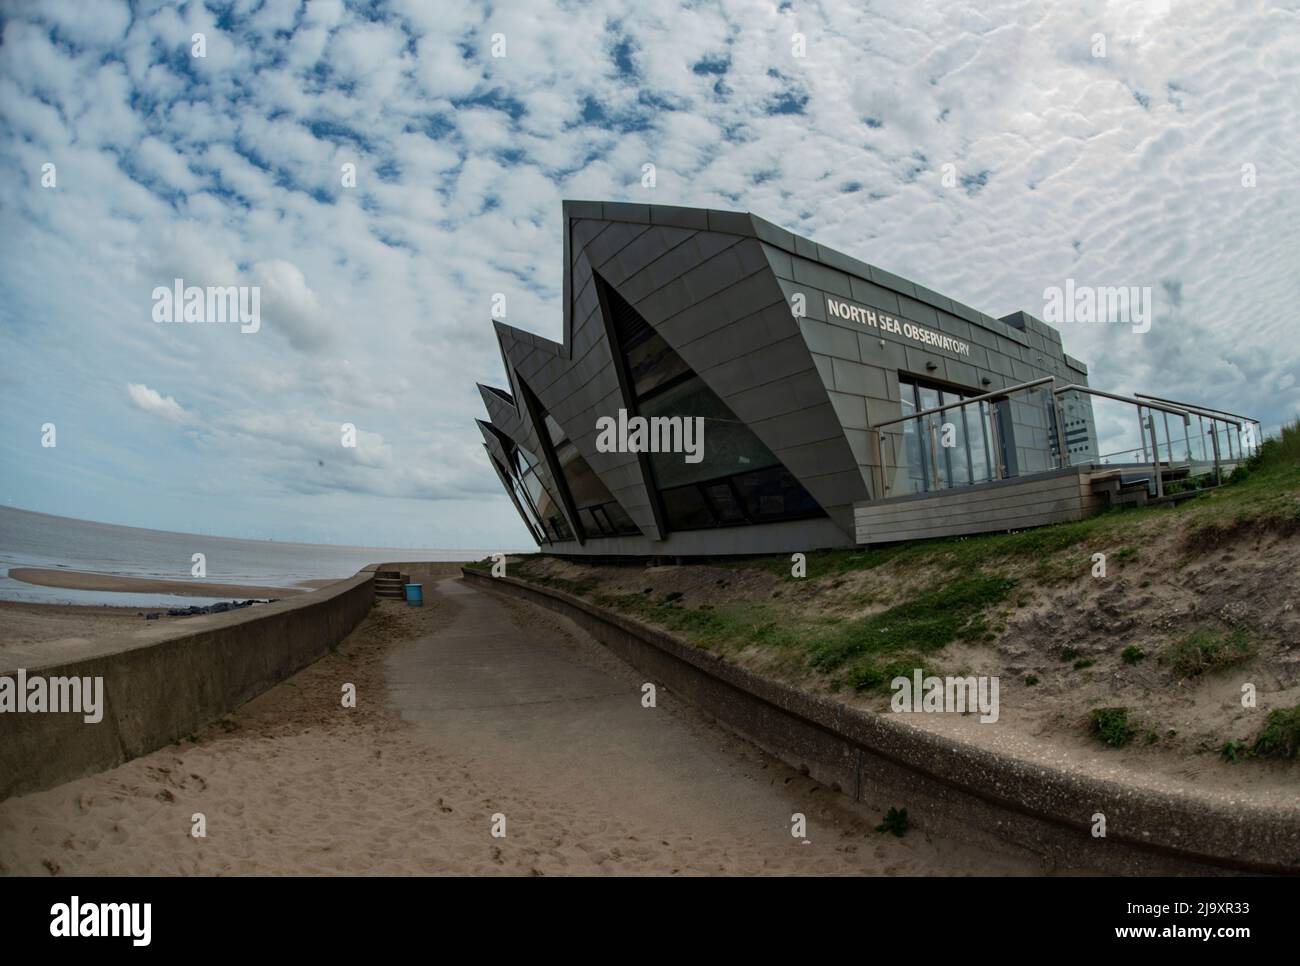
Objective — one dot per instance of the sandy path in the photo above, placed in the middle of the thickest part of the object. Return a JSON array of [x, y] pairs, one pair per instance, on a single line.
[[468, 707]]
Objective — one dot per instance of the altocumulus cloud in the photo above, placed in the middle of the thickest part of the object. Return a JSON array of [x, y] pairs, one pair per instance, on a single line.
[[156, 404], [227, 170]]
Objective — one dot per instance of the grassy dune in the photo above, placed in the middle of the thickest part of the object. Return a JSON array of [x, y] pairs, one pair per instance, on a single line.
[[1030, 599]]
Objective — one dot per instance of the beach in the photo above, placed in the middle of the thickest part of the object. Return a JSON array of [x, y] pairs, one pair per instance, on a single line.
[[468, 708], [116, 583]]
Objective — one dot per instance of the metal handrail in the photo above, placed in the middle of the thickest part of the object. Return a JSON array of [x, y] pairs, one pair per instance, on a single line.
[[1125, 399], [1202, 410], [996, 394]]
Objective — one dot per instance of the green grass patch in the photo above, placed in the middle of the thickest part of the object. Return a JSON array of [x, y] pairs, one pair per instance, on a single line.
[[895, 822], [1132, 654], [1280, 736], [922, 625], [1111, 726], [1206, 651], [1234, 750]]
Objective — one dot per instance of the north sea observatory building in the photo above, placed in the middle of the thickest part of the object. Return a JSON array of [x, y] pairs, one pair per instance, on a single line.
[[837, 404]]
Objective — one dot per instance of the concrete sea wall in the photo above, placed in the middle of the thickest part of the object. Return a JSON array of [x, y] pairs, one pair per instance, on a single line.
[[171, 680]]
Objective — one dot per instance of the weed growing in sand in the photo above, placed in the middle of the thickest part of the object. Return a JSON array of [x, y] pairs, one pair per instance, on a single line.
[[1280, 736], [1112, 726], [1234, 750], [895, 822], [1031, 680], [1132, 654], [1205, 651]]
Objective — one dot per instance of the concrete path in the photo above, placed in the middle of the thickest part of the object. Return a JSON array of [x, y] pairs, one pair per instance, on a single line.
[[554, 723]]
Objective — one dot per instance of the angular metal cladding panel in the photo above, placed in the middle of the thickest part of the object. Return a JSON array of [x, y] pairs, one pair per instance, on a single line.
[[798, 426], [730, 222], [932, 297], [981, 336], [829, 339], [491, 442], [859, 379], [891, 281], [782, 262], [584, 209], [626, 211], [963, 311], [842, 485], [1021, 372], [510, 492], [844, 263], [585, 303], [918, 312], [666, 302], [814, 300], [818, 276], [670, 261], [630, 258], [825, 369], [821, 457], [720, 272], [850, 409], [801, 390], [745, 310], [883, 410], [918, 362], [772, 234], [695, 218], [873, 295], [605, 246], [963, 374], [581, 233], [955, 327], [767, 364], [890, 355], [860, 444]]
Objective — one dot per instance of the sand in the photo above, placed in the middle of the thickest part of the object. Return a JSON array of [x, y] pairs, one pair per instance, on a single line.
[[467, 707], [23, 624], [85, 580]]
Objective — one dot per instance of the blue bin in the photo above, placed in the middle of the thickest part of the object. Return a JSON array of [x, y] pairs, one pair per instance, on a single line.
[[414, 595]]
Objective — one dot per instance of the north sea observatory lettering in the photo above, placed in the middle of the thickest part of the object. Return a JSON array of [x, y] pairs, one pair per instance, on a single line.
[[839, 309]]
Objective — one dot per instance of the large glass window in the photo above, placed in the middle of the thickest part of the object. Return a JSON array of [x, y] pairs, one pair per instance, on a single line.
[[598, 511], [928, 463]]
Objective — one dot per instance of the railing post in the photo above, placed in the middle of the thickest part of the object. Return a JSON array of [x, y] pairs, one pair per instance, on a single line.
[[934, 452], [1214, 438], [995, 438], [1155, 451], [880, 458], [1062, 456]]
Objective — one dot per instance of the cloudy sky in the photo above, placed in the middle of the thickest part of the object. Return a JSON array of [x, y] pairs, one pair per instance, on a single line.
[[1168, 162]]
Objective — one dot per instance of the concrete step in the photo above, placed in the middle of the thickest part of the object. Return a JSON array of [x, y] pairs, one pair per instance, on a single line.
[[389, 584]]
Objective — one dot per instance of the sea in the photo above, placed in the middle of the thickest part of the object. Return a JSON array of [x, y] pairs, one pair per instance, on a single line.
[[29, 539]]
